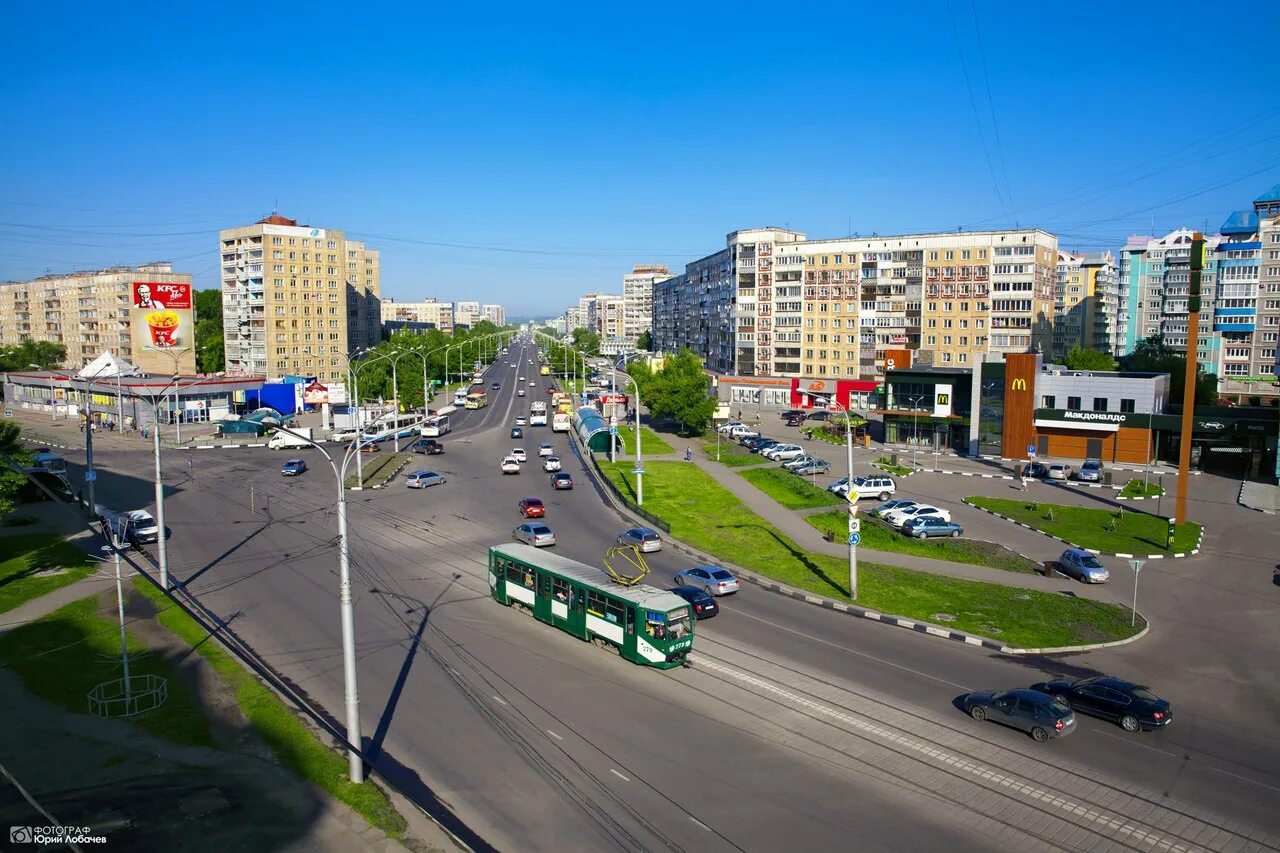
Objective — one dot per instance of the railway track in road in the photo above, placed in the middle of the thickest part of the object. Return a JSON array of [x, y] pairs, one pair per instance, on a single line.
[[1053, 801]]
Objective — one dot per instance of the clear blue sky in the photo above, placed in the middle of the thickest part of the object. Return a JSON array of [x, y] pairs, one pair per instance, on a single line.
[[527, 153]]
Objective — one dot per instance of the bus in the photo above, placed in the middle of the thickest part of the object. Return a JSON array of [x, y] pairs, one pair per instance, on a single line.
[[477, 400], [545, 370], [647, 626], [392, 426], [437, 426]]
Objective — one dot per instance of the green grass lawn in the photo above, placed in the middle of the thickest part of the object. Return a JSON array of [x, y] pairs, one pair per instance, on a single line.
[[22, 556], [790, 490], [376, 467], [879, 536], [1139, 489], [1135, 533], [731, 453], [885, 463], [650, 443], [60, 657], [291, 740], [707, 516]]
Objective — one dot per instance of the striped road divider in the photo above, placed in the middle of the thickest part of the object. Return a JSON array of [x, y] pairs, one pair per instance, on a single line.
[[392, 475], [1174, 556], [967, 474]]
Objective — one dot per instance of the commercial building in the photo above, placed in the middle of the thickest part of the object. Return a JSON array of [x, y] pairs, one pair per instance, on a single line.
[[774, 303], [94, 312], [427, 314], [297, 299], [495, 314], [1086, 305], [637, 294]]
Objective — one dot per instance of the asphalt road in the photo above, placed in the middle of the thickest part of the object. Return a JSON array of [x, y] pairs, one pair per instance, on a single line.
[[540, 741]]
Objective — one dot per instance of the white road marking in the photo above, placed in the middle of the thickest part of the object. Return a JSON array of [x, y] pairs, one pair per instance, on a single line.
[[934, 756], [499, 700], [1245, 779], [554, 735], [699, 823], [619, 775]]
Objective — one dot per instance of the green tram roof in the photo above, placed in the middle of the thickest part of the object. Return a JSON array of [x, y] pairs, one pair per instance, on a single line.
[[648, 597]]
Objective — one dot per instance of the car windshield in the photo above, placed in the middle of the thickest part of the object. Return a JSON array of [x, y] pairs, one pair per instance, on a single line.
[[1091, 562], [532, 502], [1092, 466], [678, 623], [721, 575]]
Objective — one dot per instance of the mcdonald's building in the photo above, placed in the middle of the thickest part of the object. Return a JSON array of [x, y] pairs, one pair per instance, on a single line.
[[1010, 403]]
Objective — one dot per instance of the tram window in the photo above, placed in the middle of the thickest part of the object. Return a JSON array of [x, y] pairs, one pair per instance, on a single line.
[[560, 589], [527, 580], [513, 573], [656, 625], [595, 603], [614, 611]]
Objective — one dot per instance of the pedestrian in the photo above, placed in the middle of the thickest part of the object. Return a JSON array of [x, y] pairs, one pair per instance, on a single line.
[[688, 454]]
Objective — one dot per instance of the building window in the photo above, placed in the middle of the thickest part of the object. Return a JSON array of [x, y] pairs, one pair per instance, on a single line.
[[1073, 403], [1099, 404], [1048, 401], [1127, 405]]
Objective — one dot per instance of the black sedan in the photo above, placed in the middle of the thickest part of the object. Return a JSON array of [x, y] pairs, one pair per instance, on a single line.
[[429, 446], [704, 606], [819, 416], [1132, 706], [516, 432]]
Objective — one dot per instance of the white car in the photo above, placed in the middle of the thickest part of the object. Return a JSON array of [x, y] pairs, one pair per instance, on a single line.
[[532, 383], [783, 452], [520, 393], [520, 379], [520, 420], [899, 517], [344, 435], [551, 464], [736, 430], [546, 449], [518, 453], [510, 465], [880, 488], [725, 428]]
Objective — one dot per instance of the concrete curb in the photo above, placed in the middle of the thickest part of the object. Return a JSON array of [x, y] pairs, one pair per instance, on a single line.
[[1240, 501], [1175, 556], [1170, 472], [967, 474], [392, 475]]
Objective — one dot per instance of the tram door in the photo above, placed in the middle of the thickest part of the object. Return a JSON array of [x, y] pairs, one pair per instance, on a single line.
[[563, 602]]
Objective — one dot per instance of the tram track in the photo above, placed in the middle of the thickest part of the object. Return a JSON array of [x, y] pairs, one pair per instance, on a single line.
[[1054, 802]]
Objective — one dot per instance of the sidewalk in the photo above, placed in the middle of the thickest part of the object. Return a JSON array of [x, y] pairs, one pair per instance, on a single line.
[[792, 523], [1262, 497]]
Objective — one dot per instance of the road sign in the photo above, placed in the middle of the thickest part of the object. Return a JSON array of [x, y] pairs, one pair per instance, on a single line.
[[90, 476], [637, 471], [1031, 451], [613, 430], [855, 525], [1136, 565], [855, 538]]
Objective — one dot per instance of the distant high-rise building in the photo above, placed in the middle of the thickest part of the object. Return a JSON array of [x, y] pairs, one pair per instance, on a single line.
[[610, 324], [297, 299], [1086, 308], [90, 313], [428, 314], [495, 314], [637, 294]]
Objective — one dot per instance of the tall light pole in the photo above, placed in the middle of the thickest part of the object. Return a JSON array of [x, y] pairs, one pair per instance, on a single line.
[[355, 741], [855, 526], [90, 476], [915, 426], [639, 472], [355, 377]]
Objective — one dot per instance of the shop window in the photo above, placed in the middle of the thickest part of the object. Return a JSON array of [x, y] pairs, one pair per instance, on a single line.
[[1127, 405], [1073, 403], [1048, 401], [1099, 404]]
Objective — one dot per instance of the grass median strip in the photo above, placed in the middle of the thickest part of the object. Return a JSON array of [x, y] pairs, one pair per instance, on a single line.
[[886, 463], [731, 454], [1139, 489], [376, 467], [790, 490], [289, 738], [1114, 531], [707, 516], [650, 443], [62, 656], [35, 564], [878, 536]]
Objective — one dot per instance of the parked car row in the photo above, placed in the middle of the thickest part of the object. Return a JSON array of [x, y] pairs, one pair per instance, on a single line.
[[1090, 472], [1047, 709]]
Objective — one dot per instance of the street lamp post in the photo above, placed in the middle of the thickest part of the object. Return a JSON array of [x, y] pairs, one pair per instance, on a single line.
[[915, 426], [355, 382], [639, 472], [90, 476], [855, 526], [355, 762]]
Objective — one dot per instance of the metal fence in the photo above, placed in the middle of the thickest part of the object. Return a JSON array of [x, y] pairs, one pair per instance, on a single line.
[[116, 699]]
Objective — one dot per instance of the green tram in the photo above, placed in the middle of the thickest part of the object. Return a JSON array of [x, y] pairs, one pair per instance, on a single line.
[[645, 625]]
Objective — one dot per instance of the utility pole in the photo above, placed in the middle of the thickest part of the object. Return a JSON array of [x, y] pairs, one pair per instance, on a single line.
[[1192, 373]]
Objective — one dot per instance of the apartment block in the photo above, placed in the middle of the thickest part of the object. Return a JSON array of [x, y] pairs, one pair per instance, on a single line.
[[297, 299], [427, 314], [610, 324], [89, 313], [1155, 277], [466, 314], [495, 314], [637, 295], [831, 308], [1086, 306]]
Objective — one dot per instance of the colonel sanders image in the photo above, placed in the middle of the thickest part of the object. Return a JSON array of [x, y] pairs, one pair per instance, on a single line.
[[144, 299]]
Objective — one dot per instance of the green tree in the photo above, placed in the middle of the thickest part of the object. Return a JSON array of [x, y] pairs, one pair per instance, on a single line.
[[210, 348], [678, 391], [586, 342], [1080, 358], [10, 450], [644, 343], [43, 354], [1153, 355]]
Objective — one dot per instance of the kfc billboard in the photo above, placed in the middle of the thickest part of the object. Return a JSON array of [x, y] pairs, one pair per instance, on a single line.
[[161, 317]]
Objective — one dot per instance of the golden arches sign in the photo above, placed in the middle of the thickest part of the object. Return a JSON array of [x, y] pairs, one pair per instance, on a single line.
[[1019, 385]]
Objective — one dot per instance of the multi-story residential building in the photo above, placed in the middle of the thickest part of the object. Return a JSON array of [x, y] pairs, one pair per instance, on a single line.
[[495, 314], [427, 314], [1086, 304], [296, 299], [610, 324], [1155, 277], [89, 313], [1267, 207], [1247, 313], [947, 296], [466, 314], [574, 318], [637, 294]]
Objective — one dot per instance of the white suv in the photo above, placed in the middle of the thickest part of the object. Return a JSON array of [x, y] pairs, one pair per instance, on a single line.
[[783, 452], [868, 487]]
